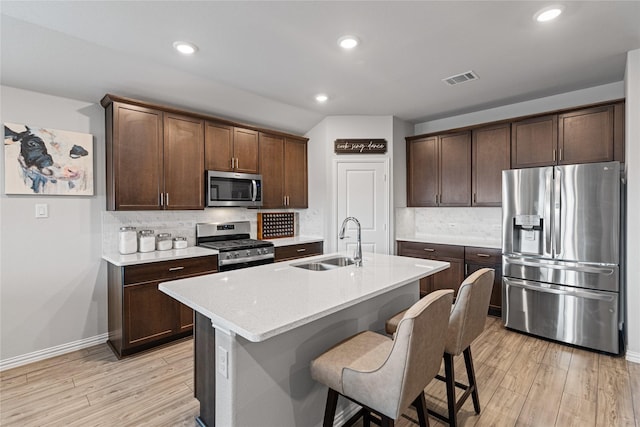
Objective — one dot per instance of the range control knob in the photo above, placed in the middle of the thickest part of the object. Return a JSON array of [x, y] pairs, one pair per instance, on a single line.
[[248, 253]]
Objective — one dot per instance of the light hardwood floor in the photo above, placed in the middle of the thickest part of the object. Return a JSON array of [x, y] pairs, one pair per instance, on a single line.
[[523, 381]]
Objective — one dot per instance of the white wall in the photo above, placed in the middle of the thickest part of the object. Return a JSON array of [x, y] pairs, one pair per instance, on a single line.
[[52, 281], [632, 166], [591, 95]]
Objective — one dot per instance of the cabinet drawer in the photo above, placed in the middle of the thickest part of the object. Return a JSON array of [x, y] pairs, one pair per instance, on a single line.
[[483, 256], [170, 270], [430, 250], [284, 253]]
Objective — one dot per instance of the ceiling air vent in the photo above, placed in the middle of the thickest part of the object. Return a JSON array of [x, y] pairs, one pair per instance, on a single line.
[[461, 78]]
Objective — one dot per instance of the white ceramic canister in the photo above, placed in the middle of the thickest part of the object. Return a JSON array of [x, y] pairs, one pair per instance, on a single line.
[[179, 242], [163, 241], [146, 241], [127, 240]]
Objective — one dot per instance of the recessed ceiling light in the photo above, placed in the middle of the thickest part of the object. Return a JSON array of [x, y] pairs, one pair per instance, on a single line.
[[185, 48], [348, 42], [321, 97], [548, 13]]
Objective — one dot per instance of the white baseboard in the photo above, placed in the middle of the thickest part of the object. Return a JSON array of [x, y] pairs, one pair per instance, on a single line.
[[14, 362], [632, 356]]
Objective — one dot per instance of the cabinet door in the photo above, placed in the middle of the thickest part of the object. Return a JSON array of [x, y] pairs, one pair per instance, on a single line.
[[137, 158], [295, 173], [272, 170], [185, 317], [534, 142], [183, 163], [450, 278], [586, 136], [218, 143], [455, 170], [490, 155], [149, 315], [422, 172], [245, 149]]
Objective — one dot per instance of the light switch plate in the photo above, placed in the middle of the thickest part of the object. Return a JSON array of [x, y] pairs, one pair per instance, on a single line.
[[42, 210]]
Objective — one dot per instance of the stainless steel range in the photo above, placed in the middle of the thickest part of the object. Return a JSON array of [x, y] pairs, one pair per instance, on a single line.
[[236, 249]]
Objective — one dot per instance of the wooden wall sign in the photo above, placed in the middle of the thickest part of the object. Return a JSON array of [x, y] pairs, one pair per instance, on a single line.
[[360, 146]]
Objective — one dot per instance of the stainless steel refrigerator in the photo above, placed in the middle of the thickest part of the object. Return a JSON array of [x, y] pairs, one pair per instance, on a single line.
[[561, 252]]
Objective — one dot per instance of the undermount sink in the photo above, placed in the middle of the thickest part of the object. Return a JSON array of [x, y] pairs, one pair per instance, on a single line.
[[326, 264]]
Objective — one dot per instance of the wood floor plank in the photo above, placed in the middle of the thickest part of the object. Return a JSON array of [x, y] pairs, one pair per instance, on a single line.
[[543, 400], [524, 368], [502, 410], [615, 405], [576, 412], [634, 380], [582, 378], [558, 355]]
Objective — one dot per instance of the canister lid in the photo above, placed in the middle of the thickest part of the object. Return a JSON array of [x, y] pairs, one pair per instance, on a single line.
[[127, 229], [179, 239], [146, 232], [164, 235]]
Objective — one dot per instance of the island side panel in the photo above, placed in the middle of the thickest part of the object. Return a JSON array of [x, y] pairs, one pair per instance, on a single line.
[[269, 382], [204, 369]]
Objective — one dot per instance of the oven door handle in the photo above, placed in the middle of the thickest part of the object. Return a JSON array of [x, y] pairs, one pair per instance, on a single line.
[[245, 259]]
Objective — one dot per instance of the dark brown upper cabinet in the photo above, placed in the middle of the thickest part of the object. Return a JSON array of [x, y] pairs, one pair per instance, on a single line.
[[439, 170], [490, 155], [586, 136], [231, 149], [154, 159], [283, 165], [581, 136], [534, 142]]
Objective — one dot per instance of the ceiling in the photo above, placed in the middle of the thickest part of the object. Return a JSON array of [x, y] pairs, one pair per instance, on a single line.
[[262, 62]]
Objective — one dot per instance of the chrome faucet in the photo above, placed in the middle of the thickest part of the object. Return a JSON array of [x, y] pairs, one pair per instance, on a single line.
[[357, 257]]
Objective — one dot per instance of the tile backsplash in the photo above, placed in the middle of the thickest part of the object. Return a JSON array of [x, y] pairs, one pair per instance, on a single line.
[[183, 223], [482, 223]]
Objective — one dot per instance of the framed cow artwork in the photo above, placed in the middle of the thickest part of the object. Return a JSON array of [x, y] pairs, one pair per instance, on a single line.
[[47, 162]]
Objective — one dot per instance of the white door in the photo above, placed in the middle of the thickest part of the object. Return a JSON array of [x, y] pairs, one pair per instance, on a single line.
[[363, 192]]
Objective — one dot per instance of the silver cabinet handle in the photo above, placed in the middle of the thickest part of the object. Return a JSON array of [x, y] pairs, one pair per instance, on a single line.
[[554, 154], [429, 250], [161, 199], [176, 268], [560, 158], [167, 199], [301, 250], [483, 255], [237, 163]]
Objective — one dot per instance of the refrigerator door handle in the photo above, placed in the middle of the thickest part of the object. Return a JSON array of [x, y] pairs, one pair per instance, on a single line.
[[547, 212], [581, 268], [550, 289], [557, 207]]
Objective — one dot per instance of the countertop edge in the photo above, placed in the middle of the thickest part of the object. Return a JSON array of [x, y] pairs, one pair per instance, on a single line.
[[120, 260], [455, 241]]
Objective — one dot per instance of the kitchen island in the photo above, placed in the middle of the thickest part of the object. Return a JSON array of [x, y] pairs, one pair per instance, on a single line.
[[257, 330]]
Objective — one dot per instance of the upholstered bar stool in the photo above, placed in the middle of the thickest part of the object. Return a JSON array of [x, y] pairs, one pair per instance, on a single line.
[[468, 316], [385, 376]]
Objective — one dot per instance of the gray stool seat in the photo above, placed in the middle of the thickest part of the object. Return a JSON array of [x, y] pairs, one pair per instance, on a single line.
[[386, 375]]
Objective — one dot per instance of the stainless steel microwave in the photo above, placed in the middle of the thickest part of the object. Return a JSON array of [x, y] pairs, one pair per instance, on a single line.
[[230, 189]]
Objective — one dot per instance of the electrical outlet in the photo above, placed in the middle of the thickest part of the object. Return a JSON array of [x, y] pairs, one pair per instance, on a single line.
[[223, 362]]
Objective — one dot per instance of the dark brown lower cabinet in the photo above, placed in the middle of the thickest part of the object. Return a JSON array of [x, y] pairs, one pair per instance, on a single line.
[[477, 258], [463, 261], [447, 279], [140, 316], [287, 253]]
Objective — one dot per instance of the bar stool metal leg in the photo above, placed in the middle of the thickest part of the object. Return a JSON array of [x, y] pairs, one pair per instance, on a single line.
[[330, 408]]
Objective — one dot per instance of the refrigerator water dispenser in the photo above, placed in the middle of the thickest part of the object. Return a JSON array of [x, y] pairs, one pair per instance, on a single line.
[[528, 234]]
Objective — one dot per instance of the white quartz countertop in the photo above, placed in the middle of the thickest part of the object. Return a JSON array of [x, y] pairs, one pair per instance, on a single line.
[[261, 302], [453, 240], [297, 240], [155, 256]]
